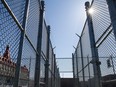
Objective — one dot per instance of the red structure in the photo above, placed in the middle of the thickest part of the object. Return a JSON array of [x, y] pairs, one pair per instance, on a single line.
[[7, 68]]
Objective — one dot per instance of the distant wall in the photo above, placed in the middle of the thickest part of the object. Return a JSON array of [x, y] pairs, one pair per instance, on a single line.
[[67, 82]]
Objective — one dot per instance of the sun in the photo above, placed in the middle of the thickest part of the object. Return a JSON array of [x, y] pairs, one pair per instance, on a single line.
[[91, 11]]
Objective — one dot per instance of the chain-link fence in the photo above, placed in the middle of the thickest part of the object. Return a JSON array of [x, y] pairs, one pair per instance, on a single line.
[[19, 26], [85, 62]]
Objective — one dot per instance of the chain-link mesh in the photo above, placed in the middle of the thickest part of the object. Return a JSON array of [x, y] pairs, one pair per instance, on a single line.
[[105, 44], [13, 14], [33, 22], [9, 33], [44, 39], [100, 17], [18, 8], [104, 34]]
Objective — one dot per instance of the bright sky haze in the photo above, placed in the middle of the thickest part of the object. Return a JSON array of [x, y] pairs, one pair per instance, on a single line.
[[66, 17]]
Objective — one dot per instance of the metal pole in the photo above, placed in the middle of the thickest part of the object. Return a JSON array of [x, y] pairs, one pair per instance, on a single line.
[[89, 71], [58, 85], [112, 64], [29, 72], [47, 60], [78, 84], [112, 11], [18, 64], [82, 62], [73, 68], [17, 70], [54, 70], [96, 63], [81, 48], [39, 43]]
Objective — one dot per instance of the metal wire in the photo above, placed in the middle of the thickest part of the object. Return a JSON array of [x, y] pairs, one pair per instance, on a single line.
[[11, 22], [105, 43]]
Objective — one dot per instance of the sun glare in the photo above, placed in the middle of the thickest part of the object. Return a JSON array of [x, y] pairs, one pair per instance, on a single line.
[[91, 10]]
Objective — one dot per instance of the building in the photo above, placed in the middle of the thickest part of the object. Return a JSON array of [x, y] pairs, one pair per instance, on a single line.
[[7, 70]]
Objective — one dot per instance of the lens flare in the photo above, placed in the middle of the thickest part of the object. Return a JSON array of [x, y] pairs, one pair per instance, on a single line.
[[91, 11]]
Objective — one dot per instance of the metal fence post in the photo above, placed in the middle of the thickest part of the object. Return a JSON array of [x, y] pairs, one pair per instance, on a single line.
[[29, 72], [89, 71], [39, 43], [112, 11], [73, 66], [81, 48], [18, 64], [82, 62], [113, 66], [54, 70], [78, 84], [47, 60], [96, 63], [17, 70]]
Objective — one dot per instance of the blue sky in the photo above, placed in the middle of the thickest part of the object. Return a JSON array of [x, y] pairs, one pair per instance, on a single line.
[[66, 17]]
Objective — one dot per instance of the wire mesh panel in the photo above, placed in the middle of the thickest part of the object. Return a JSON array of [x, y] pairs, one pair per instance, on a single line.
[[100, 17], [105, 40], [53, 63], [49, 79], [86, 49], [9, 33], [18, 8], [84, 68], [9, 45], [33, 21], [105, 43], [13, 14], [52, 80], [42, 70], [56, 77], [53, 69], [44, 39], [107, 51], [28, 61], [79, 65], [75, 65], [50, 57]]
